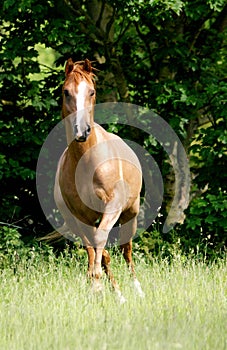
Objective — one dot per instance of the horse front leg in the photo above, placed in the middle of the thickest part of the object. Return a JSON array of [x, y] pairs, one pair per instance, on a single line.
[[106, 266], [100, 239], [100, 235]]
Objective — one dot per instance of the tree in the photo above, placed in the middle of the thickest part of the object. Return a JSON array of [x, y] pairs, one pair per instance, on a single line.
[[168, 56]]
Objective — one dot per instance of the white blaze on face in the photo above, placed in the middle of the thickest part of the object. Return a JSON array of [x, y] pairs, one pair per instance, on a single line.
[[81, 108], [80, 104]]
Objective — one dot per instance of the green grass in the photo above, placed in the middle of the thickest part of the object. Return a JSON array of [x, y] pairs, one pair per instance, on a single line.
[[51, 307]]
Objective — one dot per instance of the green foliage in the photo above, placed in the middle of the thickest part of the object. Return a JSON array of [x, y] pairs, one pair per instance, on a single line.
[[155, 244], [14, 252], [206, 219], [17, 253], [209, 154], [172, 55], [206, 224]]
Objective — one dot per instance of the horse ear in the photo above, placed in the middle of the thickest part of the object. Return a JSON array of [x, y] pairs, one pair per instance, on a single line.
[[87, 66], [69, 66]]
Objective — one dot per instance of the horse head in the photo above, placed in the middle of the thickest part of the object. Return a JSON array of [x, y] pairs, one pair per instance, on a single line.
[[79, 97]]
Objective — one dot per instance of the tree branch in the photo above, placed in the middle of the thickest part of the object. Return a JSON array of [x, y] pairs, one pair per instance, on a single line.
[[98, 22], [221, 21], [146, 41], [88, 26], [122, 33], [120, 79], [110, 23]]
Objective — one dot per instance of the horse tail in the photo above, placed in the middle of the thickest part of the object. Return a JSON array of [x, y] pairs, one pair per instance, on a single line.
[[57, 235], [52, 237]]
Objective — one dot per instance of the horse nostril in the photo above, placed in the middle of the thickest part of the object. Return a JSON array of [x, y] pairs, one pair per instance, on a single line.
[[81, 136], [75, 129]]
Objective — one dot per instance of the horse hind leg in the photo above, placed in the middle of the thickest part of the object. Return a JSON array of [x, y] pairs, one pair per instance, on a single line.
[[126, 249], [91, 259], [106, 264], [127, 231], [114, 284]]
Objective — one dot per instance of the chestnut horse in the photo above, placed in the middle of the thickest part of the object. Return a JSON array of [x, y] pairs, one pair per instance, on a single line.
[[98, 180]]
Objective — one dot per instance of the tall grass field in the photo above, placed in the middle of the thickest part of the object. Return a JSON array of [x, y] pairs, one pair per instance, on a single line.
[[50, 305]]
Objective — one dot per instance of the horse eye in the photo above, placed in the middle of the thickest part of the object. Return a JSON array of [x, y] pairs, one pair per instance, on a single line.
[[66, 93], [92, 92]]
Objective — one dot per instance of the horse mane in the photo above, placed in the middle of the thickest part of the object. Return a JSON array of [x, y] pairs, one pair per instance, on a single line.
[[81, 73]]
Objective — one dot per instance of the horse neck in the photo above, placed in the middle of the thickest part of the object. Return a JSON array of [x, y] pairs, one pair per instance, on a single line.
[[78, 149]]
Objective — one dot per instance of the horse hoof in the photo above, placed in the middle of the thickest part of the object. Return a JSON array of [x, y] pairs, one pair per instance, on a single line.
[[141, 294], [138, 289], [97, 286], [122, 300], [120, 297]]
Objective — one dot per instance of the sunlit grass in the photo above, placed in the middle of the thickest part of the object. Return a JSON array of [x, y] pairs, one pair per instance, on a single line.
[[51, 306]]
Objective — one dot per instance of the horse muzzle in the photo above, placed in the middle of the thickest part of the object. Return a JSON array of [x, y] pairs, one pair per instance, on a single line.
[[81, 136]]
